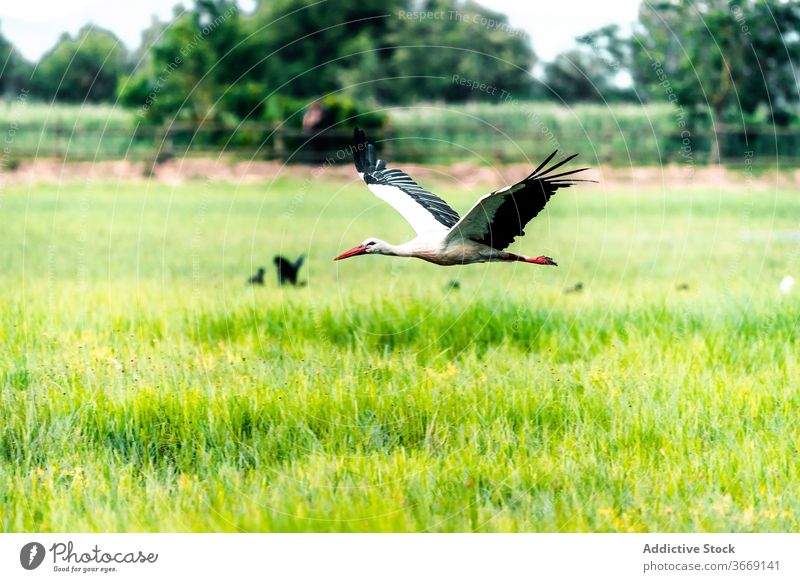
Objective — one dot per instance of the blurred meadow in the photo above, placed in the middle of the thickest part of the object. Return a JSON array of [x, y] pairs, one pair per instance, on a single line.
[[146, 387]]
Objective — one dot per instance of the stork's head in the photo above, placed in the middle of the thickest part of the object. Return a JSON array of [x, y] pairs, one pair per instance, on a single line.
[[368, 247]]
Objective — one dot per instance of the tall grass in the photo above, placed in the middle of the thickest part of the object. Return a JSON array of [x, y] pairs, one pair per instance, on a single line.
[[71, 132], [509, 132], [89, 116], [480, 133], [616, 133]]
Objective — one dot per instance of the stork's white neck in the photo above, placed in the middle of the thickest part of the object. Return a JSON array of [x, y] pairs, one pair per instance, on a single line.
[[418, 247], [401, 250]]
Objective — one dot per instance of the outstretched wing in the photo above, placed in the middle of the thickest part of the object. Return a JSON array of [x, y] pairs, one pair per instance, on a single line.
[[498, 218], [299, 263], [425, 212]]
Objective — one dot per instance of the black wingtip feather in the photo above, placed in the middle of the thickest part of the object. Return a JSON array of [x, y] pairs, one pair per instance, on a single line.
[[550, 178], [556, 166], [543, 164], [372, 156], [365, 156], [360, 149]]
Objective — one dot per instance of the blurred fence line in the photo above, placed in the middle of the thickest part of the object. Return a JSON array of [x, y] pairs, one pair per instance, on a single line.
[[423, 143]]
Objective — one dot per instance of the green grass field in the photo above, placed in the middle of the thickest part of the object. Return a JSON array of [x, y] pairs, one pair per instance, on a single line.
[[145, 387]]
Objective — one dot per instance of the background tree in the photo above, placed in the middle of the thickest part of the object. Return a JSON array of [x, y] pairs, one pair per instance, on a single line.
[[595, 70], [467, 40], [184, 70], [86, 67], [725, 60], [15, 71], [292, 40], [296, 51]]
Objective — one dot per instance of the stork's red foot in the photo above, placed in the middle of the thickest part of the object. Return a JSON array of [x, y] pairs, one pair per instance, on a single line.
[[542, 260]]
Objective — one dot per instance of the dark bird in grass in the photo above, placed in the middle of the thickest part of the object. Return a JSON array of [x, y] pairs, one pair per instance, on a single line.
[[454, 285], [683, 287], [444, 237], [287, 270], [258, 278], [576, 288]]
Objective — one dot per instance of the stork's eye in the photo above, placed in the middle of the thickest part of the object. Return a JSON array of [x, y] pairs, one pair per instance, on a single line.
[[371, 243]]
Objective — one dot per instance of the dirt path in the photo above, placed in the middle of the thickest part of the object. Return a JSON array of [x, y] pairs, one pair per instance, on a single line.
[[466, 175]]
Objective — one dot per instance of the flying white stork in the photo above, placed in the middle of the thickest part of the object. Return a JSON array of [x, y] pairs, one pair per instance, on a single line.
[[443, 237]]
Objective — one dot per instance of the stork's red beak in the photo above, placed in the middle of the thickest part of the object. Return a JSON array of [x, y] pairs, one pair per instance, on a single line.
[[354, 252]]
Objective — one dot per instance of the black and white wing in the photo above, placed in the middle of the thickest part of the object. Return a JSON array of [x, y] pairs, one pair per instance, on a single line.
[[498, 218], [425, 212]]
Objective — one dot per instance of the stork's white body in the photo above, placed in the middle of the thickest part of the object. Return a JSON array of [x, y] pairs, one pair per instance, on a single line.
[[444, 238], [444, 252]]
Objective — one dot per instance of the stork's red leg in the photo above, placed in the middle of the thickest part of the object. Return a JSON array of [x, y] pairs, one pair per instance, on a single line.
[[541, 260]]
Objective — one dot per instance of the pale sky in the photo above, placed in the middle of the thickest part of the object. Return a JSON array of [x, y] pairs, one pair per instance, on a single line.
[[35, 25]]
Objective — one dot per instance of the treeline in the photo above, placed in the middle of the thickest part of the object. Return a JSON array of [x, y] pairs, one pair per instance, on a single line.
[[215, 62], [715, 61]]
